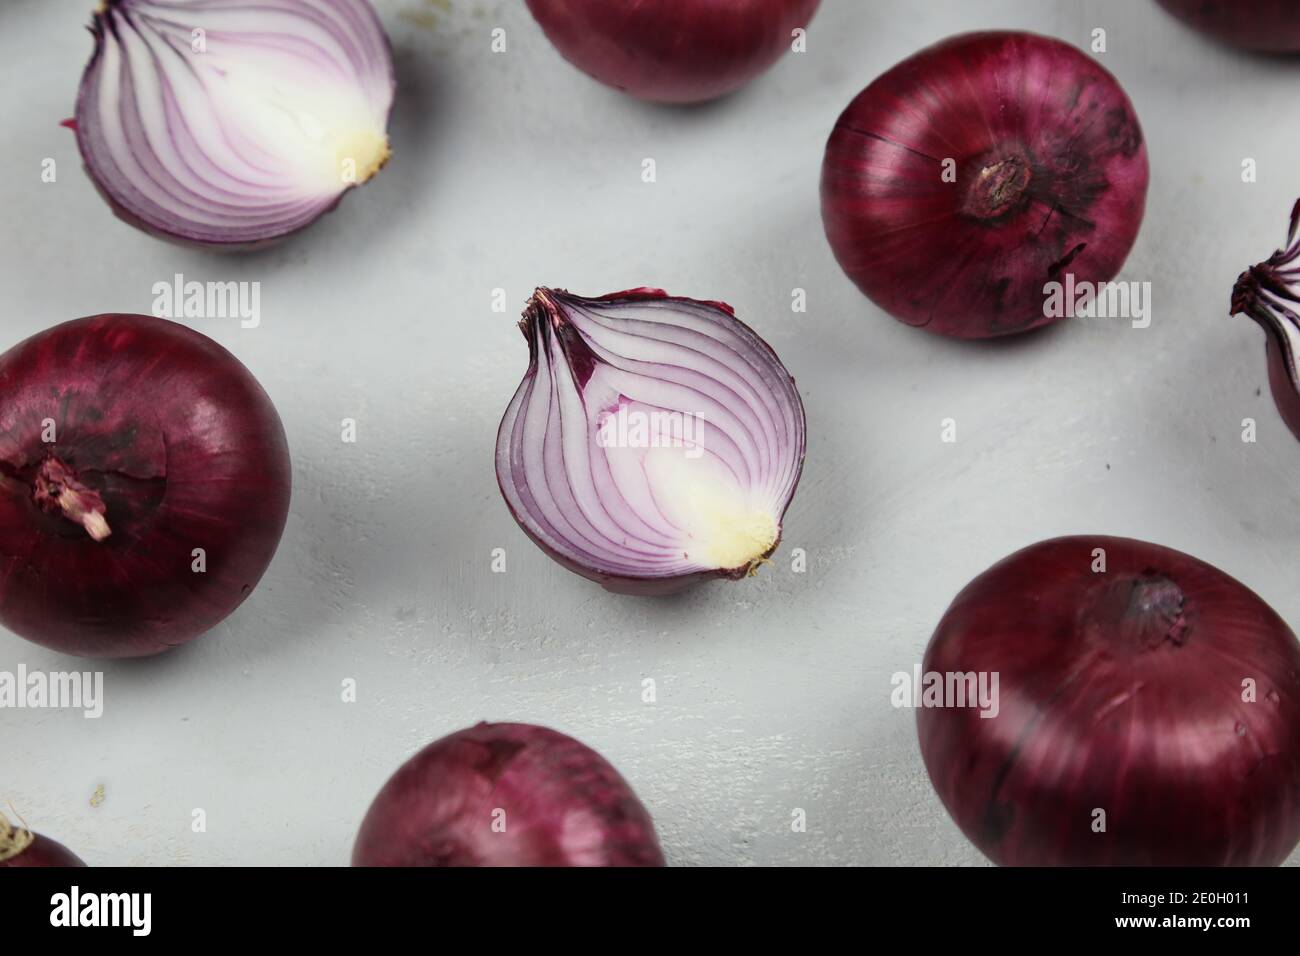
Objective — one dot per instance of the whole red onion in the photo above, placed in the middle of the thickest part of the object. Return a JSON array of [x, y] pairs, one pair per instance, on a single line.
[[672, 51], [507, 795], [1158, 699], [144, 485], [21, 847], [1268, 25], [965, 179], [1269, 293]]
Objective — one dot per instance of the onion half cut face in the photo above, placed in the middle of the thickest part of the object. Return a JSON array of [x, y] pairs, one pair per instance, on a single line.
[[227, 122], [653, 442]]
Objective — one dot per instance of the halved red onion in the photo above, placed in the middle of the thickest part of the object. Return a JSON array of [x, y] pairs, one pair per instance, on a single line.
[[655, 441], [233, 122], [1263, 292]]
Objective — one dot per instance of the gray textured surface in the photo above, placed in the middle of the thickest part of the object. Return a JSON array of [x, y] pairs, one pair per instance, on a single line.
[[515, 170]]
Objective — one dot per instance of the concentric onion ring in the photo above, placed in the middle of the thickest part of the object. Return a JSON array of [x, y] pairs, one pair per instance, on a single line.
[[233, 122], [654, 441]]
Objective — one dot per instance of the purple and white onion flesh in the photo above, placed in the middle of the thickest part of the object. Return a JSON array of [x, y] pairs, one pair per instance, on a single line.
[[232, 123], [1269, 293], [655, 441]]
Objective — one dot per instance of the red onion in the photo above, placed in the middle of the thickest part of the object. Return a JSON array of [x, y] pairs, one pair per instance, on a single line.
[[232, 123], [654, 441], [507, 795], [962, 181], [21, 847], [1158, 699], [144, 485], [1268, 25], [673, 51], [1263, 292]]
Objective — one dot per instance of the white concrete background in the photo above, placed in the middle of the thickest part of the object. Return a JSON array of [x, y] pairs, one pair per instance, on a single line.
[[516, 170]]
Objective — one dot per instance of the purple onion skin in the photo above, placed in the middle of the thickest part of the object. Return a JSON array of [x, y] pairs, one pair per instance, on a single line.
[[1050, 178], [564, 805], [1269, 26], [1122, 692], [1282, 379], [186, 451], [44, 852], [672, 51]]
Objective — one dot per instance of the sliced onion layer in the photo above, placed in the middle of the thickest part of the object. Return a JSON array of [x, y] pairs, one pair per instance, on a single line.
[[654, 441], [233, 122], [1269, 293]]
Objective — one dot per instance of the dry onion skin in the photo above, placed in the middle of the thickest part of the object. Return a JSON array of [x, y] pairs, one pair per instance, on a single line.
[[1269, 26], [968, 176], [673, 51], [654, 442], [20, 847], [1138, 687], [131, 447], [507, 795], [233, 123], [1269, 294]]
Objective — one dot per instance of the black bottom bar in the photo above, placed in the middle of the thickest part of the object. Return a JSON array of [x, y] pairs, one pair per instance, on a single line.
[[334, 906]]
